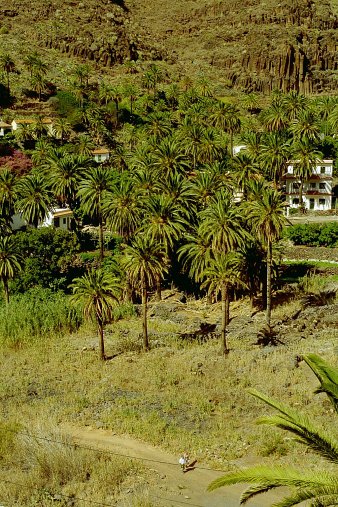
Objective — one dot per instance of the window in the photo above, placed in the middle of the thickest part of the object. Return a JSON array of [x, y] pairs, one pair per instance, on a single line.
[[56, 222], [322, 186], [313, 185], [322, 170], [295, 200], [321, 202], [99, 158], [64, 221], [296, 186]]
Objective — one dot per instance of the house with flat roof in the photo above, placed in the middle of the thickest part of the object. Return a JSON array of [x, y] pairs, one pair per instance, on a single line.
[[60, 218], [317, 189], [5, 128], [101, 154]]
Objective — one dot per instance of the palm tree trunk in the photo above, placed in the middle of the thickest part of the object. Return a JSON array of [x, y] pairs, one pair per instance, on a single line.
[[301, 206], [158, 288], [145, 323], [101, 238], [6, 290], [225, 319], [268, 284], [99, 319]]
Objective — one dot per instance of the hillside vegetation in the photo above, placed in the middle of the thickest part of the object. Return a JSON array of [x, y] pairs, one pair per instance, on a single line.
[[252, 45]]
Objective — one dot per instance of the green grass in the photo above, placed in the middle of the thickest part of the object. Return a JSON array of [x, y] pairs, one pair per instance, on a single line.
[[177, 396]]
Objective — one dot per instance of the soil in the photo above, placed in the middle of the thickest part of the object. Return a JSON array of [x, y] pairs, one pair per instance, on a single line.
[[168, 486]]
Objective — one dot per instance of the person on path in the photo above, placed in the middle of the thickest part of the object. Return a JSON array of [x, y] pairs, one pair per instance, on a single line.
[[184, 461]]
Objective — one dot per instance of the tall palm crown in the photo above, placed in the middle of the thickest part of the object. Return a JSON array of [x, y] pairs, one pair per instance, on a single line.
[[121, 207], [145, 263], [223, 272], [274, 155], [266, 215], [164, 219], [34, 198], [169, 156], [93, 188], [8, 193], [65, 173], [222, 223], [306, 157], [196, 253], [8, 65], [96, 292], [10, 262], [318, 487]]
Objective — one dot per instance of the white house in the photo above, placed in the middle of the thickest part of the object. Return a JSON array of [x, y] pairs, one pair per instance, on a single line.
[[317, 190], [4, 128], [60, 218], [21, 122], [101, 154]]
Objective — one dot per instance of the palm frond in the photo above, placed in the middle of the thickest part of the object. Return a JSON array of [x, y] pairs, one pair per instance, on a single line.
[[327, 376], [300, 425]]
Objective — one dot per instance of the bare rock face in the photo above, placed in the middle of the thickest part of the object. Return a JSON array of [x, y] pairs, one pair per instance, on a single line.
[[289, 45], [254, 45], [97, 30]]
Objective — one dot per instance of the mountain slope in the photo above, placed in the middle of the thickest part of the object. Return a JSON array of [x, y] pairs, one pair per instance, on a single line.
[[252, 45]]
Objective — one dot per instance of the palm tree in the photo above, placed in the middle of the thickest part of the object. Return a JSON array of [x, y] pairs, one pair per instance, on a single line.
[[306, 157], [121, 208], [34, 200], [165, 221], [266, 215], [169, 156], [62, 129], [320, 487], [226, 117], [8, 193], [93, 187], [83, 145], [222, 224], [223, 274], [306, 126], [196, 253], [245, 170], [10, 262], [8, 65], [97, 291], [144, 261], [65, 171], [274, 155]]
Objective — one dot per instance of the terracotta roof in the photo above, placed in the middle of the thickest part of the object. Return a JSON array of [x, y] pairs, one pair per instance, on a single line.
[[99, 151], [62, 213], [24, 120], [47, 120], [5, 125]]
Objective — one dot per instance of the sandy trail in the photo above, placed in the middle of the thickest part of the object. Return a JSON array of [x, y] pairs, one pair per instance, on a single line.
[[170, 486]]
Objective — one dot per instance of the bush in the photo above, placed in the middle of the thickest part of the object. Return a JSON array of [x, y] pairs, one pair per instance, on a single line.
[[36, 315], [314, 234], [50, 259]]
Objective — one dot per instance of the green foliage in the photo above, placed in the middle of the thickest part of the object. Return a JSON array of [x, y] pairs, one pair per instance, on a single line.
[[314, 234], [64, 103], [318, 486], [36, 315], [50, 258]]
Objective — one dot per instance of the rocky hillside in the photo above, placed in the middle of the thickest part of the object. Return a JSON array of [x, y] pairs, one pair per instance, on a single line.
[[252, 45]]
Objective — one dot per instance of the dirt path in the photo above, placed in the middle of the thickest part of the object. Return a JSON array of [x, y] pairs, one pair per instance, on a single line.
[[170, 486]]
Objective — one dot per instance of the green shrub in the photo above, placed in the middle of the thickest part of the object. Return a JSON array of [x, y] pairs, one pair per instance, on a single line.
[[50, 259], [36, 315], [314, 234]]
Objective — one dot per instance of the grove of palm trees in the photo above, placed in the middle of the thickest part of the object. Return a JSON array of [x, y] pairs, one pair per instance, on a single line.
[[175, 230]]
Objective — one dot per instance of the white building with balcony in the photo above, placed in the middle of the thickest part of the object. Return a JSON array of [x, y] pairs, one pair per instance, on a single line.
[[317, 190]]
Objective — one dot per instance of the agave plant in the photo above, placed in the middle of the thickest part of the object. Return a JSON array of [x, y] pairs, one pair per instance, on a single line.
[[319, 488]]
